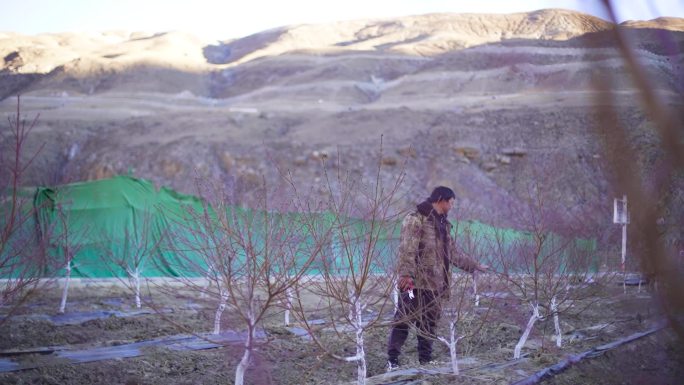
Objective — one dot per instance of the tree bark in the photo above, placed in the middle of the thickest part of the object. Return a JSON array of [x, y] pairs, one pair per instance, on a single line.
[[530, 324], [65, 292]]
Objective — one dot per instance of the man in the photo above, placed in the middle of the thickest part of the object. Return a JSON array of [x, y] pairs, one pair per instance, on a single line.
[[426, 253]]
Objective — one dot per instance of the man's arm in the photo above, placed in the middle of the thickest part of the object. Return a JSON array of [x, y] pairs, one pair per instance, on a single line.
[[408, 246], [462, 261]]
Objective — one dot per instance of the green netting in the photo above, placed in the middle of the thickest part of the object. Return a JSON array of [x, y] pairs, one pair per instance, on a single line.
[[360, 244], [112, 227], [109, 226], [556, 254]]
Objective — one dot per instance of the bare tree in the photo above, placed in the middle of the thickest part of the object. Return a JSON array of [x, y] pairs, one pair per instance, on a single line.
[[459, 307], [462, 301], [547, 265], [22, 249], [355, 281], [133, 252], [252, 255], [66, 241]]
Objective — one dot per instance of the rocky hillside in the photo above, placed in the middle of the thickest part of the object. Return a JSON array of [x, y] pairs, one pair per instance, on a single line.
[[478, 102]]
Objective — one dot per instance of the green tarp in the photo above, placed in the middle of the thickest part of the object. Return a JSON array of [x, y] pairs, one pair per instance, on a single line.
[[112, 226]]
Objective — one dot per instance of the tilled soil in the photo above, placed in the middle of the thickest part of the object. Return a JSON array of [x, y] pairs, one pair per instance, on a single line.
[[283, 358], [654, 360]]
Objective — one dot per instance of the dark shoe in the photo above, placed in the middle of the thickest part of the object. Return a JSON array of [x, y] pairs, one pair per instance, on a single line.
[[392, 365]]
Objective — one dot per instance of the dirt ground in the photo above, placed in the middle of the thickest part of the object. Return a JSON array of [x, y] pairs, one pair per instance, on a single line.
[[655, 360], [283, 358]]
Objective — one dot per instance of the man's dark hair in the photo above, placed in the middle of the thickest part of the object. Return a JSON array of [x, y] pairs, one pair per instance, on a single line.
[[441, 193]]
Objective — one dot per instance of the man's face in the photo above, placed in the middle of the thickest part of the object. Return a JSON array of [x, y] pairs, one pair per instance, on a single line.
[[444, 206]]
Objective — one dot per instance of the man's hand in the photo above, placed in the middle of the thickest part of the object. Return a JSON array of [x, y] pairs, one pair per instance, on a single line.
[[405, 283]]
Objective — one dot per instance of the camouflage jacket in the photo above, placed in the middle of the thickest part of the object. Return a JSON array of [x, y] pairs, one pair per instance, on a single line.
[[421, 250]]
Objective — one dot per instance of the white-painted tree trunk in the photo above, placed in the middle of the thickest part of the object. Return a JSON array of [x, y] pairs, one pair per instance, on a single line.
[[356, 320], [624, 254], [65, 291], [246, 357], [451, 343], [556, 322], [361, 368], [135, 276], [136, 282], [475, 293], [360, 353], [288, 306], [395, 296], [244, 362], [530, 324], [219, 311]]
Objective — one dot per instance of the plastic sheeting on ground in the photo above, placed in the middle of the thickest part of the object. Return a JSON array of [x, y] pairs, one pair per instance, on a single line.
[[410, 376], [564, 364], [183, 342], [77, 318]]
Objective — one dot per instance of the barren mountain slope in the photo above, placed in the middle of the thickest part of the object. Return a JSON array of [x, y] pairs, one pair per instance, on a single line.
[[474, 101], [424, 35]]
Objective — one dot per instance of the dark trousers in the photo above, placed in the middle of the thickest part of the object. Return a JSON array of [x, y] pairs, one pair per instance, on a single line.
[[423, 311]]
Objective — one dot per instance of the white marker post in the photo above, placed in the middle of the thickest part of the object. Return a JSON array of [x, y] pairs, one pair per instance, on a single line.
[[477, 295], [621, 217]]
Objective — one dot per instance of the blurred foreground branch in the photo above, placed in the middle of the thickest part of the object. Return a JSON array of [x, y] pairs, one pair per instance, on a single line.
[[654, 193]]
